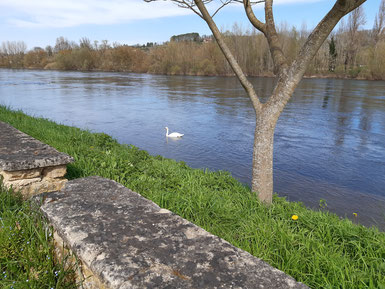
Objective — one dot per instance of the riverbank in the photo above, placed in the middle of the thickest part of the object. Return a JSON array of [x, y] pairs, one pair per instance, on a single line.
[[203, 58], [318, 249], [53, 67]]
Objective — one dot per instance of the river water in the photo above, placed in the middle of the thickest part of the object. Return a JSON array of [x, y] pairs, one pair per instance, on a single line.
[[329, 140]]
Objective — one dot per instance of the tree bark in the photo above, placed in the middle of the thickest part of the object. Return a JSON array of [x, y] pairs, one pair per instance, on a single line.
[[262, 181]]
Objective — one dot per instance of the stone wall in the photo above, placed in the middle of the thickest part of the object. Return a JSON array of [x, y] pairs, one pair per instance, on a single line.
[[83, 275], [28, 165], [35, 181], [126, 241]]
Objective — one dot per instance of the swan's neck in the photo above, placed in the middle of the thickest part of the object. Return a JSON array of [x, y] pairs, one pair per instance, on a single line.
[[166, 131]]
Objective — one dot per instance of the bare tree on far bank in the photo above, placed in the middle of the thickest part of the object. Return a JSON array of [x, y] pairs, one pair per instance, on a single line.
[[288, 74], [355, 21], [379, 23], [13, 52], [191, 54]]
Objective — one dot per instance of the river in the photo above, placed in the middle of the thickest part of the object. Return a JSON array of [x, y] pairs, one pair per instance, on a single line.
[[329, 140]]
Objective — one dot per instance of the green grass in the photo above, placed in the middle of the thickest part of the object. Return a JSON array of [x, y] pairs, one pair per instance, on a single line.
[[26, 247], [319, 249]]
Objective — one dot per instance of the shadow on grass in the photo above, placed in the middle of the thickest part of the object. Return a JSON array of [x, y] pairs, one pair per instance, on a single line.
[[74, 172]]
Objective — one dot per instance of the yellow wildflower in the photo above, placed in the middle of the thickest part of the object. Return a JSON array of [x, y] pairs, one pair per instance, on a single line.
[[355, 215], [294, 217]]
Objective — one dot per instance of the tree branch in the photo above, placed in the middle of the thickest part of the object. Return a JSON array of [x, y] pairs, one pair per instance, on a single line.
[[224, 3], [321, 32], [184, 4], [252, 18], [279, 58], [297, 69], [229, 56], [190, 4]]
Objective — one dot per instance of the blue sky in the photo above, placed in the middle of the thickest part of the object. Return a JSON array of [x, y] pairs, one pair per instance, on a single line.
[[40, 22]]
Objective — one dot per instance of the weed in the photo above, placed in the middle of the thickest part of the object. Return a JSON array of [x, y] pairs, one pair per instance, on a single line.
[[27, 248]]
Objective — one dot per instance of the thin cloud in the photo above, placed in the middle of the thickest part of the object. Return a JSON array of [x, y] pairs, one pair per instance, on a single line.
[[71, 13]]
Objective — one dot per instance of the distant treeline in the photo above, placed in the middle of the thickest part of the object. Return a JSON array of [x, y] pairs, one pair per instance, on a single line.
[[349, 52]]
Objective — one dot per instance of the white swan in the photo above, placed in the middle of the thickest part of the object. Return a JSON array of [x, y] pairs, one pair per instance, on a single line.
[[173, 134]]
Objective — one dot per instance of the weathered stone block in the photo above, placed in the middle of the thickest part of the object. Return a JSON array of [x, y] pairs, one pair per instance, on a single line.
[[55, 172], [127, 241], [19, 151], [22, 183], [31, 187], [19, 175], [46, 185], [29, 165], [35, 181], [83, 274]]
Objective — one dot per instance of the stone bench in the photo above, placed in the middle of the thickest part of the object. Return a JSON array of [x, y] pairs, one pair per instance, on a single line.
[[126, 241], [28, 165]]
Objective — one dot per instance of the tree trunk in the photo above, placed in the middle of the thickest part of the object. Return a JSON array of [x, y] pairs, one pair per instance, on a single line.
[[262, 177], [288, 77]]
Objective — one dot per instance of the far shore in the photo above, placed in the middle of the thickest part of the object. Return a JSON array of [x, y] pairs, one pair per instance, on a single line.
[[313, 76]]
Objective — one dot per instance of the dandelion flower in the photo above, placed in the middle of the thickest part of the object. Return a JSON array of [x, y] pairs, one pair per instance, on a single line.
[[294, 217]]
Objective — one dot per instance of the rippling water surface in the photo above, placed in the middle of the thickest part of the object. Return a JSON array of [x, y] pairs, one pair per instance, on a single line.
[[329, 141]]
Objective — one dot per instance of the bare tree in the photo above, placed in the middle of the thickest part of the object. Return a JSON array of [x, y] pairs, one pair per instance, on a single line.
[[13, 53], [85, 42], [13, 47], [288, 74], [355, 21], [379, 23], [62, 44]]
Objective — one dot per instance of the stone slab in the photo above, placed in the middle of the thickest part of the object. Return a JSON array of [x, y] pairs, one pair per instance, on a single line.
[[21, 175], [55, 172], [45, 185], [128, 241], [19, 151]]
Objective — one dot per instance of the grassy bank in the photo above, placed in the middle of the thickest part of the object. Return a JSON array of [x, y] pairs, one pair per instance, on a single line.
[[26, 247], [318, 249]]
